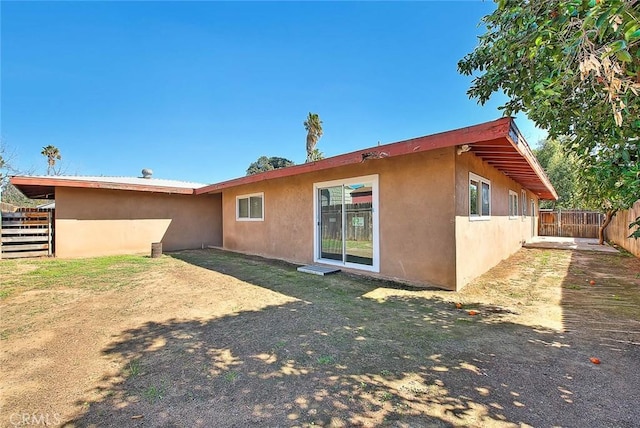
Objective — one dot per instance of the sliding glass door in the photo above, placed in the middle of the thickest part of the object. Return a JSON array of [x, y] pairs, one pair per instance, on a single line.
[[331, 211], [347, 222]]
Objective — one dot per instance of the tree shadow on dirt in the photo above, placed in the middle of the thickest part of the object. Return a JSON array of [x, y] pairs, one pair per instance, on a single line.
[[601, 318], [337, 358]]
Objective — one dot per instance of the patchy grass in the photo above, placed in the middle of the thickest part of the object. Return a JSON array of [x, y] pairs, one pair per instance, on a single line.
[[133, 368], [325, 359], [154, 393], [97, 273], [231, 376]]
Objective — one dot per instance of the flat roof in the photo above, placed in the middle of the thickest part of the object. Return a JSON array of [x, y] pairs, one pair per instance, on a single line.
[[43, 186]]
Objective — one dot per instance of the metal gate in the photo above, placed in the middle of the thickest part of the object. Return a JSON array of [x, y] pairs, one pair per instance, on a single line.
[[27, 232], [570, 223]]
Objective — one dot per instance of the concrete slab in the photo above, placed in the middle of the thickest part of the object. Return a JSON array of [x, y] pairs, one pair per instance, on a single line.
[[562, 243], [318, 270]]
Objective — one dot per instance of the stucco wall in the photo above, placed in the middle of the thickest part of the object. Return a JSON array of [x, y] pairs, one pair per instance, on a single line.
[[618, 231], [482, 244], [95, 222], [416, 216]]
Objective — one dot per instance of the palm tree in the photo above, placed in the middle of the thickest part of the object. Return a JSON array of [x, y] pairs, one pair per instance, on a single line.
[[313, 125], [52, 153]]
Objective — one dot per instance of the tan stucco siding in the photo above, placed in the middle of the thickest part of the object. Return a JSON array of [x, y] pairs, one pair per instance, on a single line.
[[287, 228], [95, 222], [417, 230], [416, 216], [482, 244]]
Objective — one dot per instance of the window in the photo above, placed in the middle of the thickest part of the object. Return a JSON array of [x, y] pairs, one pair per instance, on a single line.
[[479, 197], [513, 204], [473, 197], [250, 207], [524, 203]]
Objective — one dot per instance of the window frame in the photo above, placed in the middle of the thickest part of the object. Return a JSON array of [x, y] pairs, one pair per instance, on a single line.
[[248, 198], [479, 203], [514, 210], [375, 203], [523, 199]]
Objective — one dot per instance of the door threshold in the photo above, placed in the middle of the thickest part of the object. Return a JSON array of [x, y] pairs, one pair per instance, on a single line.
[[318, 270]]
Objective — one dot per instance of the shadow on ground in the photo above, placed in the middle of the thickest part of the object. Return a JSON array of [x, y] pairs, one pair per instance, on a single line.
[[334, 357]]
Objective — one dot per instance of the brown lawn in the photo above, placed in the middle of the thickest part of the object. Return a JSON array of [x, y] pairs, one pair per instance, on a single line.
[[208, 338]]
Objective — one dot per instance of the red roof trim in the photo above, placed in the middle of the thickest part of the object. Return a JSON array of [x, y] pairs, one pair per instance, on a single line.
[[44, 187], [502, 131], [499, 143], [482, 132]]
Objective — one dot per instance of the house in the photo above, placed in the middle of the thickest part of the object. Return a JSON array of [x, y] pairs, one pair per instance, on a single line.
[[97, 216], [436, 210]]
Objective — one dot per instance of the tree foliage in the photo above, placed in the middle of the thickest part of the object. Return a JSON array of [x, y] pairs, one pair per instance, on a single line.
[[313, 126], [562, 170], [11, 195], [609, 182], [574, 67], [636, 224], [316, 155], [267, 164], [52, 153]]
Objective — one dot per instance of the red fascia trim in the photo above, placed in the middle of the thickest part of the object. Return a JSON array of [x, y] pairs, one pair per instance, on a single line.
[[21, 181], [482, 132], [527, 154]]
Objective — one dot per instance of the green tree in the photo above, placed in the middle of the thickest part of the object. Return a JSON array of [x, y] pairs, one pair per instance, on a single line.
[[52, 154], [316, 155], [574, 67], [11, 195], [602, 184], [562, 169], [267, 164], [636, 233], [313, 126]]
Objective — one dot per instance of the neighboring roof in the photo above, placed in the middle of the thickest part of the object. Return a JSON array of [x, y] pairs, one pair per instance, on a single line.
[[499, 143], [47, 206], [43, 186]]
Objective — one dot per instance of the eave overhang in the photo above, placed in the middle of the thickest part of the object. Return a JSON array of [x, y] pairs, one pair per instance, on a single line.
[[45, 187]]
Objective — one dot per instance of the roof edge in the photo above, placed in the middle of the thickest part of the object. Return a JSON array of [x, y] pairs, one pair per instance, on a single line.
[[516, 138], [467, 135], [52, 182]]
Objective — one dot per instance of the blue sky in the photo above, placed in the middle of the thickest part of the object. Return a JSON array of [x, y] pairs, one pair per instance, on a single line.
[[197, 91]]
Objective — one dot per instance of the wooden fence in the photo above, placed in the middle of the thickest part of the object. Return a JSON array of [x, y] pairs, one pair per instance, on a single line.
[[570, 223], [358, 226], [27, 232]]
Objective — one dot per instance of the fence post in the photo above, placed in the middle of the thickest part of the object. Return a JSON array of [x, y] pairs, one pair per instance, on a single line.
[[559, 222], [49, 233]]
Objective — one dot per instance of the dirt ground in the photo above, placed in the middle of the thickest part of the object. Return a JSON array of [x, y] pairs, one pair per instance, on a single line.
[[208, 338]]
